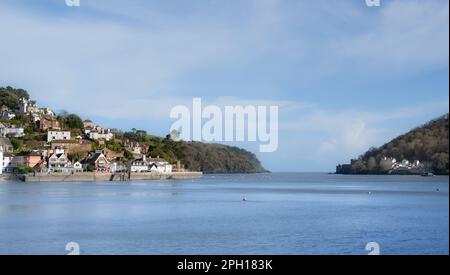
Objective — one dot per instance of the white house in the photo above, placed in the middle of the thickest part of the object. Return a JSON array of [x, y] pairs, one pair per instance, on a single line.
[[10, 163], [160, 165], [76, 167], [11, 131], [58, 163], [98, 132], [58, 135], [23, 105], [156, 165], [139, 166]]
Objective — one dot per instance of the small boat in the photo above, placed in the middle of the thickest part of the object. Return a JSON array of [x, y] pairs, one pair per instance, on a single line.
[[428, 174]]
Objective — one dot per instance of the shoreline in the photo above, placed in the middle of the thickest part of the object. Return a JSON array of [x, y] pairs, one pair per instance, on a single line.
[[95, 177]]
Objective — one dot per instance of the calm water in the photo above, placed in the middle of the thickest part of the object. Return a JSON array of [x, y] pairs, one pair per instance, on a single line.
[[284, 214]]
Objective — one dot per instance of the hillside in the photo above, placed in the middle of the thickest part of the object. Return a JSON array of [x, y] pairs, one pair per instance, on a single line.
[[197, 156], [428, 143], [216, 158], [209, 158]]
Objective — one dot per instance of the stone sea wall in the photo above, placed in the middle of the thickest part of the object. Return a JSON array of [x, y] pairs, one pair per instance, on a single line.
[[90, 177]]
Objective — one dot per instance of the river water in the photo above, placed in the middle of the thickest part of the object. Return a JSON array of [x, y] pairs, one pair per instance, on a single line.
[[284, 213]]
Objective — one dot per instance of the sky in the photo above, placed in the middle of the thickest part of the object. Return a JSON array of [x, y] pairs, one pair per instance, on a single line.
[[346, 77]]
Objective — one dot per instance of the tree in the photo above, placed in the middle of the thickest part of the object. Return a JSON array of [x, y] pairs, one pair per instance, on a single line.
[[73, 121], [359, 167], [372, 165], [16, 143], [440, 163], [23, 170], [9, 97]]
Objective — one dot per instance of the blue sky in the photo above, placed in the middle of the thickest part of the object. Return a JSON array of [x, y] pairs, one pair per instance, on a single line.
[[346, 76]]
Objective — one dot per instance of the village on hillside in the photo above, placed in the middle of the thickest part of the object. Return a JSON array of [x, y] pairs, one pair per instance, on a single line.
[[36, 140]]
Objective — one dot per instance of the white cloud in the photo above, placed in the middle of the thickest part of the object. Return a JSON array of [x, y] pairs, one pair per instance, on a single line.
[[91, 62], [405, 36]]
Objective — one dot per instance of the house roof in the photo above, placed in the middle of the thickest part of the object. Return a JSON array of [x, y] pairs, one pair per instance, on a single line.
[[58, 155]]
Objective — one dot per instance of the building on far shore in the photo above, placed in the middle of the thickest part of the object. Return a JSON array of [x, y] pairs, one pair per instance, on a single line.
[[57, 163], [48, 122], [30, 107], [11, 131], [98, 162], [117, 167], [145, 165], [139, 165], [10, 163], [58, 135], [99, 133], [6, 144]]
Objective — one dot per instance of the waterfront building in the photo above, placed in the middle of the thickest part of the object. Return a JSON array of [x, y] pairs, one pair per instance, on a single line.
[[98, 162], [10, 163], [58, 163], [144, 164]]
